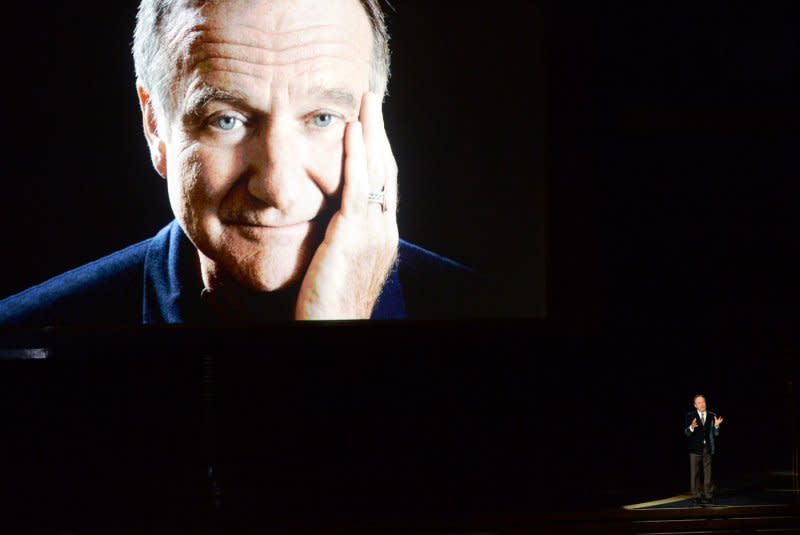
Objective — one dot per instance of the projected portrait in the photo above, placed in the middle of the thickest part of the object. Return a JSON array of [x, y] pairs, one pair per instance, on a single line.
[[265, 120]]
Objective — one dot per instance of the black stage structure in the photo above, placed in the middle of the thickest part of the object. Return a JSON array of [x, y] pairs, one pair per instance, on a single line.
[[447, 427]]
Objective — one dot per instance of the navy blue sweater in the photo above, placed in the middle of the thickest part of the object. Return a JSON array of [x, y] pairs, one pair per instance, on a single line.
[[158, 281]]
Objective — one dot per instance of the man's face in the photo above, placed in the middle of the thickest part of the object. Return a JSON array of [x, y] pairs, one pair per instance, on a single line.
[[254, 151], [700, 403]]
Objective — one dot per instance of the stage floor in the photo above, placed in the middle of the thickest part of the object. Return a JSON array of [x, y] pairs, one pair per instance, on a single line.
[[774, 488]]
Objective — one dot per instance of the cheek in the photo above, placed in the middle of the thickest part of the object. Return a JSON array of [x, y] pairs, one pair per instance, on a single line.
[[325, 164], [201, 176]]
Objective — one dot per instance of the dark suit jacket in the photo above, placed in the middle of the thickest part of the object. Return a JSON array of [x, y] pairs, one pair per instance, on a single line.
[[157, 281], [707, 431]]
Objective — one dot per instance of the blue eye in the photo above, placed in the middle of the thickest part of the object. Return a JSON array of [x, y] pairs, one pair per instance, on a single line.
[[321, 120], [226, 122]]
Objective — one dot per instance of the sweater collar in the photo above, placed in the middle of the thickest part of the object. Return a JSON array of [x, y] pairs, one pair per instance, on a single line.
[[172, 283]]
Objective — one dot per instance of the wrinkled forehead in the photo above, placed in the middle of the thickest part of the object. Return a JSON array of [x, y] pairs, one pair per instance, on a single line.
[[297, 44]]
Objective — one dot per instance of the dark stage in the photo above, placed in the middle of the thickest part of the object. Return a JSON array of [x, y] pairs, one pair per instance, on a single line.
[[451, 427]]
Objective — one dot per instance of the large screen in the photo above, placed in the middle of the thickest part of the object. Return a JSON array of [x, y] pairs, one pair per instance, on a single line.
[[465, 118]]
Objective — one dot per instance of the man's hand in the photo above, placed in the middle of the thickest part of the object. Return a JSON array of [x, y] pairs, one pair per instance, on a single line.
[[718, 420], [694, 424], [349, 268]]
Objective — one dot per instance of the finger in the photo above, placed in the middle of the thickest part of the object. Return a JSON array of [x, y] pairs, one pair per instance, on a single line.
[[356, 187], [372, 119], [388, 160]]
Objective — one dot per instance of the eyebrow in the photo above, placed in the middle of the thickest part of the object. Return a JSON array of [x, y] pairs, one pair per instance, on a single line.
[[206, 94], [335, 95]]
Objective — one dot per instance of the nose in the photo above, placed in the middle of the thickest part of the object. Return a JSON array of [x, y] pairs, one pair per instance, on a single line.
[[277, 177]]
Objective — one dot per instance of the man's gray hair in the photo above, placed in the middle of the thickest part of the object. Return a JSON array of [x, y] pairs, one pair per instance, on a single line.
[[159, 53]]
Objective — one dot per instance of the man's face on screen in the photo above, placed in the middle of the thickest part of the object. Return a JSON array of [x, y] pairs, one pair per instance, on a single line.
[[700, 403], [254, 155]]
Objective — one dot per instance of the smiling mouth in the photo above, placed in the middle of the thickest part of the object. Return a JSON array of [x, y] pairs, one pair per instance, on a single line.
[[321, 218], [258, 232], [276, 227]]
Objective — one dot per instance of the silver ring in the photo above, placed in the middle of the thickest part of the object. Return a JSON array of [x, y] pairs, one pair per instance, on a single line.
[[378, 197]]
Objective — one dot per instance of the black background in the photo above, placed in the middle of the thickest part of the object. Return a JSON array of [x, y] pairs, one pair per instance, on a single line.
[[672, 171], [665, 137]]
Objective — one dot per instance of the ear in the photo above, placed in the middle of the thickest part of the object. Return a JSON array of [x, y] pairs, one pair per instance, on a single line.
[[158, 147]]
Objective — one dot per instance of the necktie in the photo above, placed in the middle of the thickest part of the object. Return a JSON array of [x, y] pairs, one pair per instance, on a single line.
[[703, 418]]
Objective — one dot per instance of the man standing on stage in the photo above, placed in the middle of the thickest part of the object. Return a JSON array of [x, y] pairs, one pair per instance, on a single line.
[[701, 427]]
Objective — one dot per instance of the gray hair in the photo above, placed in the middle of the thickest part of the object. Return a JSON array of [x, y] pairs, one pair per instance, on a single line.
[[158, 56]]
